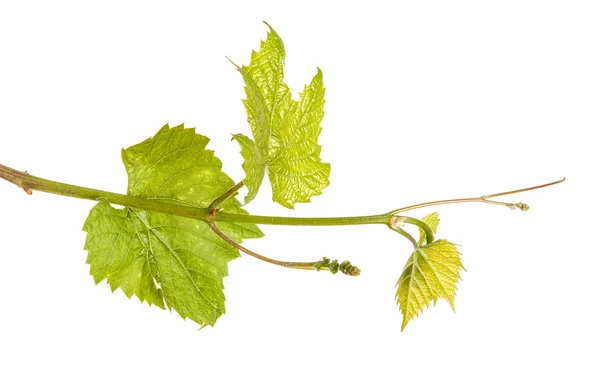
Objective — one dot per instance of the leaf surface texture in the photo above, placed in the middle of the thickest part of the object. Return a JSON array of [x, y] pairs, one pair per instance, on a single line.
[[165, 260], [285, 130], [431, 272]]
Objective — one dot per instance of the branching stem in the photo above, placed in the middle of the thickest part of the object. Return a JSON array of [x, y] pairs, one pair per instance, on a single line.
[[425, 227], [480, 199], [211, 215], [228, 194], [405, 234], [323, 264], [28, 183]]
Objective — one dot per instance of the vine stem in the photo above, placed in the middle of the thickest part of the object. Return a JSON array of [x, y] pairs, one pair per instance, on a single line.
[[211, 215], [27, 182], [302, 221]]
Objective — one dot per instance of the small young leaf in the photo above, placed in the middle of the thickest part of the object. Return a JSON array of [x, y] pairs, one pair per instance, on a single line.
[[163, 259], [285, 131], [432, 272], [432, 220]]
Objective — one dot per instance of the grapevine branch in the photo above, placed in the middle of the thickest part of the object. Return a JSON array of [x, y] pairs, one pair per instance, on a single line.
[[211, 215], [324, 264]]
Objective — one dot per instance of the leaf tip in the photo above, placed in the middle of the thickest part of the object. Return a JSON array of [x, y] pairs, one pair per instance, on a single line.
[[275, 35], [269, 26], [286, 203], [233, 63], [404, 323], [451, 303]]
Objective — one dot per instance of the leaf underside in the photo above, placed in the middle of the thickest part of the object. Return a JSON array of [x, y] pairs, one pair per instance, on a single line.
[[431, 272], [285, 130], [166, 260]]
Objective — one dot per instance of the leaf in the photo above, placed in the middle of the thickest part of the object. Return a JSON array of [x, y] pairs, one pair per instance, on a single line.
[[163, 259], [432, 220], [285, 130], [254, 165], [431, 272]]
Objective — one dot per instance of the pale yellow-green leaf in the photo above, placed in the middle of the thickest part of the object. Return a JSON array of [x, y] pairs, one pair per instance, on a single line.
[[432, 272], [432, 220], [285, 130]]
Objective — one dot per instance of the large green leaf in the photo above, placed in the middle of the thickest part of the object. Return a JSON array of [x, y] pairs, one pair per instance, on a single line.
[[163, 259], [285, 130], [432, 272]]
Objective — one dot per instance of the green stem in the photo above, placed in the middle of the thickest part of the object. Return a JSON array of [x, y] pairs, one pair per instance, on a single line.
[[422, 225], [28, 183], [324, 264], [405, 234], [302, 221], [228, 194]]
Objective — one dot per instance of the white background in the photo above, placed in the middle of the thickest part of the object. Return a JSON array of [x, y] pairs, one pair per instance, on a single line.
[[425, 100]]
